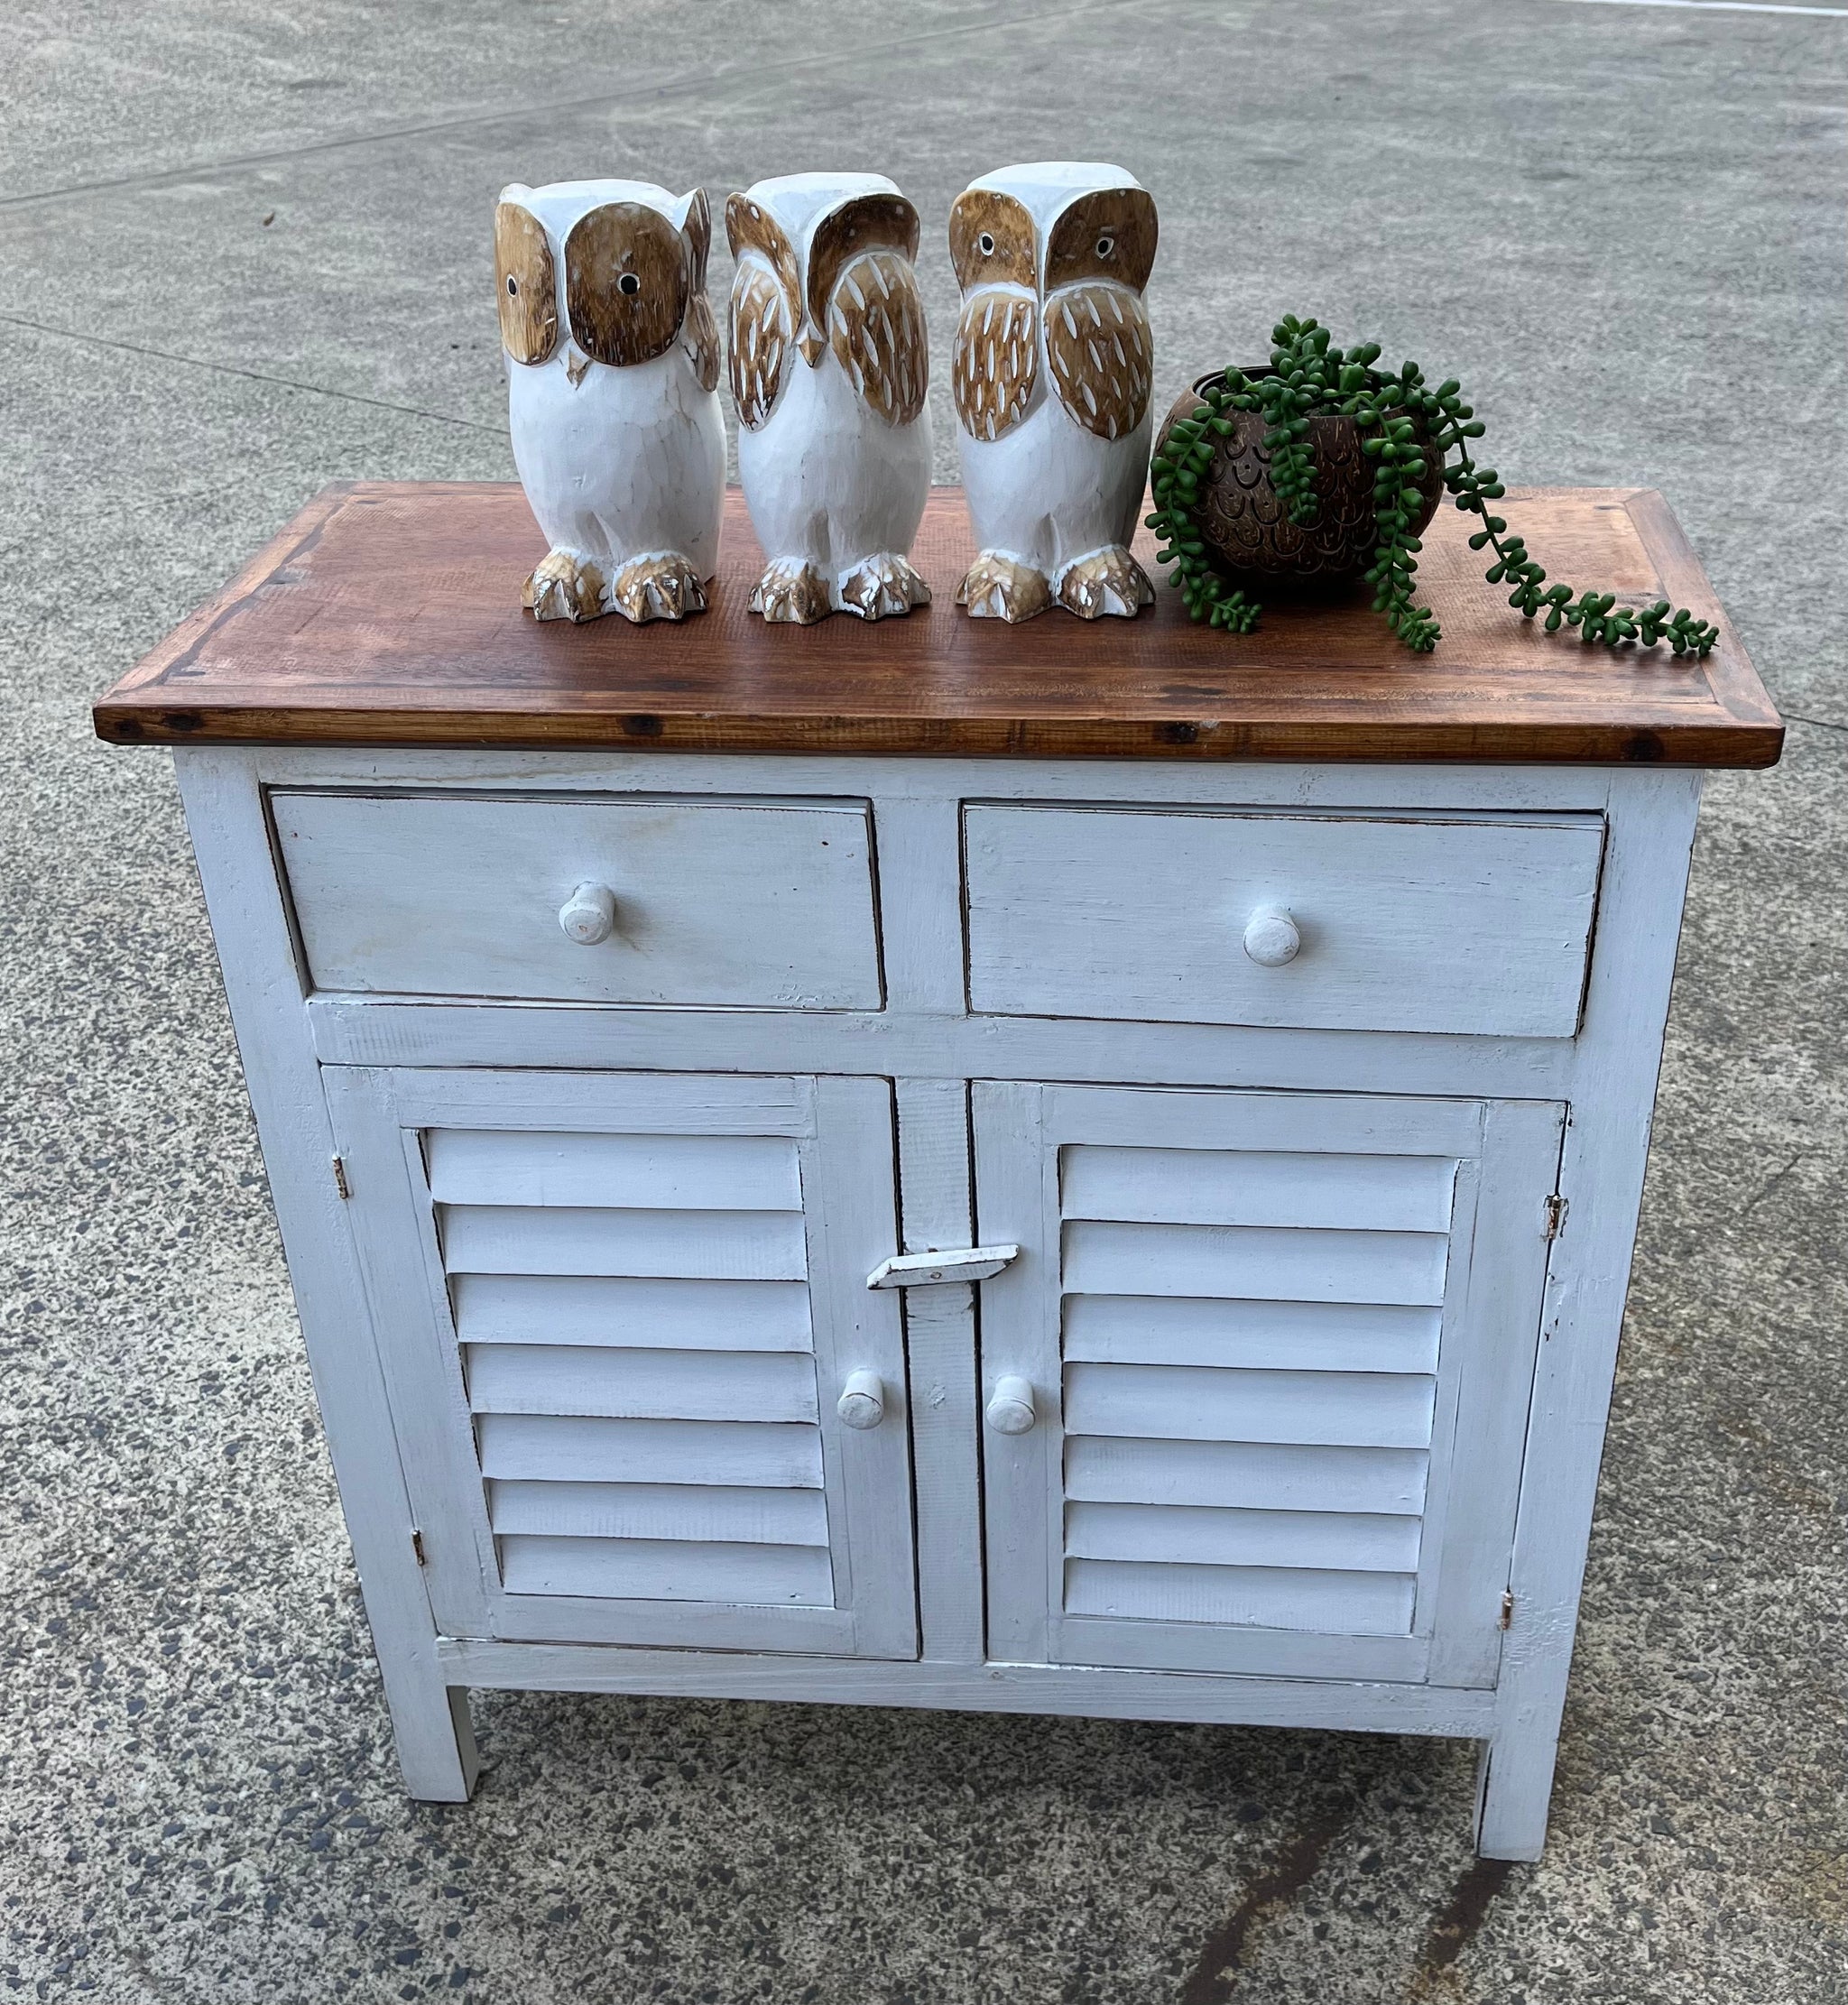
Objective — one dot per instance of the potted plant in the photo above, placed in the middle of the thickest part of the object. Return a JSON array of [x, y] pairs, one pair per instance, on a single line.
[[1324, 467]]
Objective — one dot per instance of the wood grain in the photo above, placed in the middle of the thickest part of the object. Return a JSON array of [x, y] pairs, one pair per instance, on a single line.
[[528, 284], [1109, 234], [626, 283], [389, 614], [1009, 260]]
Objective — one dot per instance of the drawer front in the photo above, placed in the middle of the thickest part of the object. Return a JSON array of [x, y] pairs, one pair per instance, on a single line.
[[747, 904], [1184, 916]]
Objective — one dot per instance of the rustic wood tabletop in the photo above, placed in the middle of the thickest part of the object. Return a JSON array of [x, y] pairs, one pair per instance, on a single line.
[[388, 613]]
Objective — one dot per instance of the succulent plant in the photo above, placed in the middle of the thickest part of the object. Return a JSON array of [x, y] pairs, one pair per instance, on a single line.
[[1309, 376]]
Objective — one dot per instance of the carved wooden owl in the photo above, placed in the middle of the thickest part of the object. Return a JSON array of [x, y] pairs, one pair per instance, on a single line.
[[1053, 373], [831, 362], [613, 394]]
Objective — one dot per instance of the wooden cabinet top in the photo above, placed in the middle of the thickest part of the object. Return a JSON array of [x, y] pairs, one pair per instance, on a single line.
[[389, 614]]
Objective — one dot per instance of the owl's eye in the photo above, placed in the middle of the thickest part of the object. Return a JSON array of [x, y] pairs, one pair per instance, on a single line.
[[985, 244], [1106, 245], [630, 284], [513, 287]]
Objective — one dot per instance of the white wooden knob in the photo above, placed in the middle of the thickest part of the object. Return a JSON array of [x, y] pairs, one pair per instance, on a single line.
[[862, 1402], [1271, 938], [1010, 1405], [589, 914]]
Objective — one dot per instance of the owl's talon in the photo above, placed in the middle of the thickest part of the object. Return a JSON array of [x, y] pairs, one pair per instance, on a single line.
[[664, 587], [563, 586], [793, 593], [997, 587], [1108, 582], [881, 587]]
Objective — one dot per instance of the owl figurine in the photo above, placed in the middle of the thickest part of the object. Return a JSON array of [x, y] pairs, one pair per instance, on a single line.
[[1051, 377], [830, 362], [613, 394]]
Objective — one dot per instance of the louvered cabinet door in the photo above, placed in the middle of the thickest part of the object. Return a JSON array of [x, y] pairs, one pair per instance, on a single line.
[[1280, 1348], [617, 1313]]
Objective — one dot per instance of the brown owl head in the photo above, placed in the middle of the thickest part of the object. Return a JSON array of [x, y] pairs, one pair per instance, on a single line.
[[1053, 224], [633, 260]]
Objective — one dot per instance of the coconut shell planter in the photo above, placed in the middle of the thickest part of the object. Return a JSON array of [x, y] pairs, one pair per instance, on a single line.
[[1246, 525], [1323, 467]]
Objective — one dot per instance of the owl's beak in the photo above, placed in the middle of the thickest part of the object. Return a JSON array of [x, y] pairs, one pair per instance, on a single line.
[[812, 348], [575, 363]]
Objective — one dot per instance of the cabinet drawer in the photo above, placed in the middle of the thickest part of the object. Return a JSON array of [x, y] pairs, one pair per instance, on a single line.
[[1454, 924], [750, 904]]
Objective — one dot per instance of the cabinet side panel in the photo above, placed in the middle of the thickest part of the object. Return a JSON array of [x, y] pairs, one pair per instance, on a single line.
[[225, 816], [1651, 818]]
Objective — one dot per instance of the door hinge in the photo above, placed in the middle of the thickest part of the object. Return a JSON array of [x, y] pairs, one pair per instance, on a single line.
[[1506, 1620], [1555, 1215], [423, 1557], [340, 1183]]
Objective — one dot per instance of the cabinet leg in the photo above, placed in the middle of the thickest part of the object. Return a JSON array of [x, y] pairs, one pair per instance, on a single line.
[[434, 1734], [1514, 1788]]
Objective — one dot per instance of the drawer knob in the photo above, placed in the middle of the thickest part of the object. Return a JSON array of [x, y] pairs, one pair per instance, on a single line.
[[1010, 1405], [589, 914], [1271, 938], [862, 1400]]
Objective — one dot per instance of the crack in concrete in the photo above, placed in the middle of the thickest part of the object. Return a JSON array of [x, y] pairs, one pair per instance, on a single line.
[[252, 375], [1223, 1955], [629, 92], [1769, 1185], [1818, 724]]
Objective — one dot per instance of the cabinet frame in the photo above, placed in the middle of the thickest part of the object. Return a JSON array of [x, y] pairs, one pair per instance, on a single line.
[[927, 1044]]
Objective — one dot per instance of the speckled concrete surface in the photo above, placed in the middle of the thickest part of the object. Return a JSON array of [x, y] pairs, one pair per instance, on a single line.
[[1621, 227]]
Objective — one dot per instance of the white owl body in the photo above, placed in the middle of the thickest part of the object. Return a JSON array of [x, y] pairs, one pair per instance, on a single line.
[[830, 366], [1050, 492], [613, 394], [628, 463], [827, 482], [1052, 374]]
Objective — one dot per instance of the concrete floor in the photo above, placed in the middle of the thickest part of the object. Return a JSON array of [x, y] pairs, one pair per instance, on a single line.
[[244, 248]]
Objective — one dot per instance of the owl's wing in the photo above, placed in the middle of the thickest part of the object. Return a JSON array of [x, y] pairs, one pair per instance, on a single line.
[[875, 327], [1103, 359], [997, 361], [700, 338], [762, 329]]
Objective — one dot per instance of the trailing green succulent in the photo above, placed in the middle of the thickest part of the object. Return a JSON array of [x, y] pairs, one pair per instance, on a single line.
[[1401, 419]]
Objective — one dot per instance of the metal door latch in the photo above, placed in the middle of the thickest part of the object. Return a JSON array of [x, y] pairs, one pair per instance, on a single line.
[[961, 1263]]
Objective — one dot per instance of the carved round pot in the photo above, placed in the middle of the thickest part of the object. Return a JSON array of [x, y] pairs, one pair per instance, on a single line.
[[1247, 528]]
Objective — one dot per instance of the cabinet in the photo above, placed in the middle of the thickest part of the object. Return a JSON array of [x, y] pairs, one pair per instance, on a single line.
[[1257, 1125]]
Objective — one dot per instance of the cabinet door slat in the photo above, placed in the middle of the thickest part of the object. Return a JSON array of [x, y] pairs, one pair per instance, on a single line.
[[551, 1448], [1263, 1262], [1169, 1534], [642, 1569], [1298, 1336], [659, 1510], [1359, 1409], [631, 1313], [691, 1245], [642, 1384], [1267, 1597], [1255, 1475], [1258, 1187], [513, 1166]]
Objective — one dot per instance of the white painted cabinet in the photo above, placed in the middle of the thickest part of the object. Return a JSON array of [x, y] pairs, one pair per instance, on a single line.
[[1301, 1114]]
